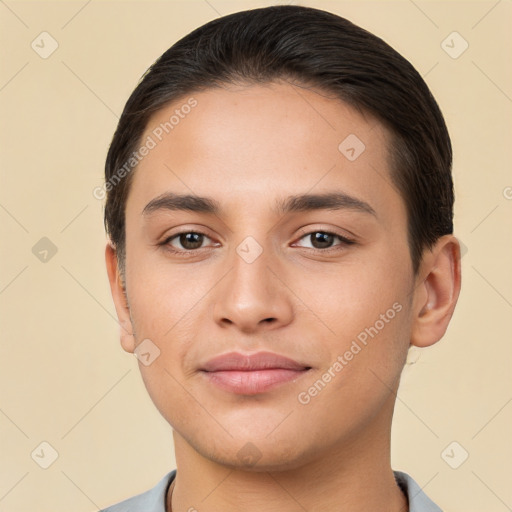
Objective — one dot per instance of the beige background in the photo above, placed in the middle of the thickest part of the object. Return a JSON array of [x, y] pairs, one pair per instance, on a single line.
[[64, 378]]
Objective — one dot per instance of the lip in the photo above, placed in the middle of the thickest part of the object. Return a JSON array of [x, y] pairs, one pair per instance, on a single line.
[[252, 374]]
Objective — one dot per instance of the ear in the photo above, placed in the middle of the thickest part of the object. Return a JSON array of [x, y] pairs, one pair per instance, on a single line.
[[120, 301], [436, 292]]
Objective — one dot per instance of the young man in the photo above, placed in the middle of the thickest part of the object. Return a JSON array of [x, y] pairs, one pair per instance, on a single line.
[[279, 206]]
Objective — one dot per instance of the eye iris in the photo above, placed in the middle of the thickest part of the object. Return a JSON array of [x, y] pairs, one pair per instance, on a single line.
[[321, 240], [191, 240]]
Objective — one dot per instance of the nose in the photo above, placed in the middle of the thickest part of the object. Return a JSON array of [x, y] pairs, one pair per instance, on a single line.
[[253, 296]]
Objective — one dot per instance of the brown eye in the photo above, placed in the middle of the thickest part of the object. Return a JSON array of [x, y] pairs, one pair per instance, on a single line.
[[187, 241], [321, 240], [318, 240], [191, 240]]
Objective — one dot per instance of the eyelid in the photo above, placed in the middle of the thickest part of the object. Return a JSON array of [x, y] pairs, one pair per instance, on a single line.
[[181, 229], [347, 238]]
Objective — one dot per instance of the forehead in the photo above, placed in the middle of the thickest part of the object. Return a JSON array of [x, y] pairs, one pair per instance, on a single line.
[[248, 143]]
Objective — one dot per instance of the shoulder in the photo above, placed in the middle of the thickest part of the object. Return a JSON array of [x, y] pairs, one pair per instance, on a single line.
[[418, 500], [149, 501]]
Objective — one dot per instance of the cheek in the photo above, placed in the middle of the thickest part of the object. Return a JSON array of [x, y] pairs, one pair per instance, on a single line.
[[349, 298], [171, 398], [361, 378], [366, 320], [163, 297]]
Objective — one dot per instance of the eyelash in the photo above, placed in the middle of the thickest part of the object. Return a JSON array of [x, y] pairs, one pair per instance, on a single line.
[[191, 252], [343, 239]]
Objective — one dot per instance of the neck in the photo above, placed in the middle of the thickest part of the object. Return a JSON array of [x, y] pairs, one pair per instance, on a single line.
[[355, 476]]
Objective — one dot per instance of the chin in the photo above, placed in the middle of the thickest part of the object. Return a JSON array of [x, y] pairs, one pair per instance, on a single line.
[[256, 454]]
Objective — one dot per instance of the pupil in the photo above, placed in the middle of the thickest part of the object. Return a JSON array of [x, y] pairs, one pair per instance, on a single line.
[[191, 240], [321, 240]]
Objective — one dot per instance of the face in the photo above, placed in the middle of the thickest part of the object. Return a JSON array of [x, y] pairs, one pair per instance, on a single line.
[[282, 298]]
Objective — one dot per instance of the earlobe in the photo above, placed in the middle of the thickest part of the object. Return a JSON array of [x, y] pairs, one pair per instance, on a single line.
[[437, 293], [120, 301]]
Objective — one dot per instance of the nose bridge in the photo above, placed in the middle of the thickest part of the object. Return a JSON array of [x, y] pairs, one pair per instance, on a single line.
[[251, 295]]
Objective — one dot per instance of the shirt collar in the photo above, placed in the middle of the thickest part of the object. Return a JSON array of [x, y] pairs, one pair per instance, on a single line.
[[154, 499]]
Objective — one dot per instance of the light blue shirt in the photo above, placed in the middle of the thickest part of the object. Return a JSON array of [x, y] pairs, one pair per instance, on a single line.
[[154, 499]]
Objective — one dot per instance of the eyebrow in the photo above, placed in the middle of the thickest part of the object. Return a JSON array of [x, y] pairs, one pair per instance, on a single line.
[[295, 203], [328, 201], [170, 201]]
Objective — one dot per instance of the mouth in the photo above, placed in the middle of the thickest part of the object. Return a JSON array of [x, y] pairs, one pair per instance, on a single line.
[[252, 374]]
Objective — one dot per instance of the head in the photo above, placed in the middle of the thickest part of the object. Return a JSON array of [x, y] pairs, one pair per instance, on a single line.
[[311, 168]]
